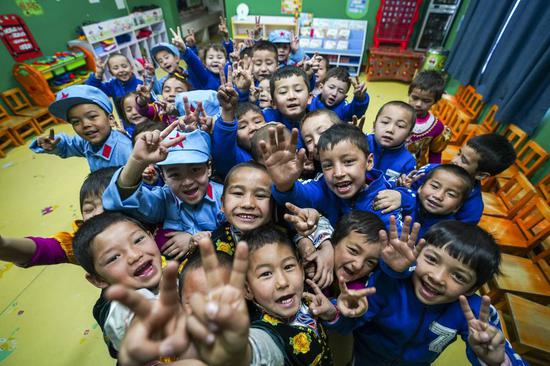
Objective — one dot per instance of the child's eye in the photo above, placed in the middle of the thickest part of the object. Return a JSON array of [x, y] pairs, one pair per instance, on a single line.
[[237, 193], [434, 186], [352, 251], [452, 194], [459, 278], [139, 239], [371, 263], [112, 258], [430, 259], [326, 165], [349, 161], [265, 274], [290, 267]]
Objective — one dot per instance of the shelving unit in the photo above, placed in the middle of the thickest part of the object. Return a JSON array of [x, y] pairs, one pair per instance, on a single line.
[[342, 40], [268, 23]]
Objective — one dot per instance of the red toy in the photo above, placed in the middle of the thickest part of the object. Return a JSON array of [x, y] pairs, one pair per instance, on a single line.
[[395, 21]]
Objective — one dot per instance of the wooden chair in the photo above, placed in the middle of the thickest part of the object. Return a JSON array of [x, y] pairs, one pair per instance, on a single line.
[[471, 105], [528, 160], [447, 112], [452, 150], [510, 198], [19, 126], [463, 92], [544, 187], [528, 329], [21, 106], [489, 124], [6, 139], [458, 123], [515, 135], [519, 235]]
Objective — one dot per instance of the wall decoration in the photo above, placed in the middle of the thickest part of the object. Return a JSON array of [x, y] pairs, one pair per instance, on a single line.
[[291, 6], [18, 38], [356, 9], [30, 7]]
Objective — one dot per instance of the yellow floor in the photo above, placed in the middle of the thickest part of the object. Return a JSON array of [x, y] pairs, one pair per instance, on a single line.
[[45, 312]]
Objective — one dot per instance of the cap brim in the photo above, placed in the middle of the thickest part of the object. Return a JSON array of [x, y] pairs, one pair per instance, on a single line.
[[157, 49], [59, 108], [185, 157]]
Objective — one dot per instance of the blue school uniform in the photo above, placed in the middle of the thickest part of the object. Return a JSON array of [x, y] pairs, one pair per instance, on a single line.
[[393, 162], [344, 110], [160, 205], [316, 194], [114, 152], [114, 87], [199, 76], [273, 115], [226, 153], [398, 329]]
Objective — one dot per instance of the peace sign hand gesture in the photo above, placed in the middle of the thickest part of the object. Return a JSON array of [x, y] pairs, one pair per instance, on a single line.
[[151, 147], [353, 303], [49, 142], [190, 40], [359, 123], [144, 93], [319, 304], [360, 89], [177, 39], [486, 341], [304, 220], [401, 252], [100, 67]]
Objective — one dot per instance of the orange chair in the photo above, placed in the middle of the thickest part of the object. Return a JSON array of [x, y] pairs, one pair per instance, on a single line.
[[6, 139], [489, 124], [19, 126], [21, 106], [515, 135], [509, 199], [458, 123], [472, 105], [447, 112], [463, 92], [529, 227], [544, 187]]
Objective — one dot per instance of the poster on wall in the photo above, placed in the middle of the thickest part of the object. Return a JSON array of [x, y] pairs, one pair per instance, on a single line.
[[30, 7], [291, 6], [18, 38], [356, 9]]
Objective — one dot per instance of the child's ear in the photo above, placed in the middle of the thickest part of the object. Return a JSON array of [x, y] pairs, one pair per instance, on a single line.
[[112, 120], [481, 175], [247, 293], [209, 165], [96, 281], [370, 161]]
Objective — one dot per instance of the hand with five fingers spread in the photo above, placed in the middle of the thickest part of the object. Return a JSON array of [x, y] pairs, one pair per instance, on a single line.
[[319, 304], [353, 303], [400, 252], [49, 142], [177, 39], [360, 89], [100, 68]]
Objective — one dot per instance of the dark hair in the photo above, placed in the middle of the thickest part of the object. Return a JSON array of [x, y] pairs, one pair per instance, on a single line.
[[284, 73], [194, 261], [339, 73], [267, 234], [470, 245], [113, 55], [82, 241], [249, 164], [325, 58], [119, 103], [402, 105], [459, 173], [327, 113], [362, 222], [263, 134], [429, 81], [263, 45], [496, 153], [247, 51], [147, 126], [244, 107], [215, 47], [343, 132], [95, 183], [179, 78]]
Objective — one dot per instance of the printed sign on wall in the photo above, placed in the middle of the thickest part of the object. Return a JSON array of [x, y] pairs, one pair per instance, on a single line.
[[18, 38]]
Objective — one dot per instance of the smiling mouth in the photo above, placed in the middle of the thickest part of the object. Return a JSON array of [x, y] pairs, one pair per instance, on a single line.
[[247, 217], [343, 187], [191, 192], [144, 269], [429, 291], [348, 271], [433, 204], [286, 300]]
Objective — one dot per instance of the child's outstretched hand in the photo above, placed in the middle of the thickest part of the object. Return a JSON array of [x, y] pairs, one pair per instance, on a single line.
[[159, 327], [359, 89], [319, 304], [189, 39], [178, 245], [191, 121], [177, 40], [353, 303], [49, 142], [151, 147], [304, 219], [227, 95], [144, 93], [400, 252], [219, 323], [387, 200], [294, 43], [257, 33], [487, 341], [284, 164], [100, 67], [242, 75], [359, 123], [407, 180], [222, 28]]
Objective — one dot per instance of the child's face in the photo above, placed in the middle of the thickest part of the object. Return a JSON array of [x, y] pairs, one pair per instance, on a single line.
[[247, 200], [355, 256], [422, 101], [171, 88], [120, 68], [167, 61], [275, 280], [189, 182], [344, 167], [214, 60], [195, 282], [264, 64], [90, 122], [264, 98], [321, 73], [442, 193], [125, 254], [393, 126], [91, 206], [312, 128], [249, 123], [290, 96], [283, 51], [131, 111], [439, 278], [334, 91], [467, 158]]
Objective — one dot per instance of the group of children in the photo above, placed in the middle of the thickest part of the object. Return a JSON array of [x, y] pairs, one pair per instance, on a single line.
[[251, 170]]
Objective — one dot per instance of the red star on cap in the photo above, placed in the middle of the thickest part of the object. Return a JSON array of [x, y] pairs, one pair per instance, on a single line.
[[282, 33], [175, 137], [64, 95]]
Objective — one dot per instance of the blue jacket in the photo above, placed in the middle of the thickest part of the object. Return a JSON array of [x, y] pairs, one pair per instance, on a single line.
[[393, 162], [398, 329], [199, 76], [273, 115], [316, 194], [471, 209], [226, 153], [114, 87], [293, 58], [344, 110], [424, 218], [160, 205], [114, 152]]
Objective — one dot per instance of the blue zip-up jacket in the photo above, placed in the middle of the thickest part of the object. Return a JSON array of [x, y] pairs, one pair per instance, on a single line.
[[471, 209], [273, 115], [393, 162], [114, 87], [344, 110], [316, 194], [160, 205], [293, 58], [199, 76], [424, 218], [226, 153], [398, 329], [114, 152]]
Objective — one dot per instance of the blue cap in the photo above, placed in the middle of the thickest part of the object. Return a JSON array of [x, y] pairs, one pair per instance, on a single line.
[[193, 150], [163, 46], [79, 94], [280, 36]]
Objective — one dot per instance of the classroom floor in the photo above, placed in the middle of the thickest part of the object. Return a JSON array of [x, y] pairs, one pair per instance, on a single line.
[[46, 312]]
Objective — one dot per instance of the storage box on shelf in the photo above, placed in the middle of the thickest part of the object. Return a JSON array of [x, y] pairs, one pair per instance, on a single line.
[[239, 27], [342, 40]]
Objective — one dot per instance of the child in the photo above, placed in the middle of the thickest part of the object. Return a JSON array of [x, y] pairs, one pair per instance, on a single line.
[[333, 95], [123, 81], [34, 251], [264, 60], [313, 125], [89, 111], [261, 95], [167, 57], [321, 64], [164, 111], [349, 180], [429, 136], [130, 112], [288, 50], [415, 314], [393, 124]]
